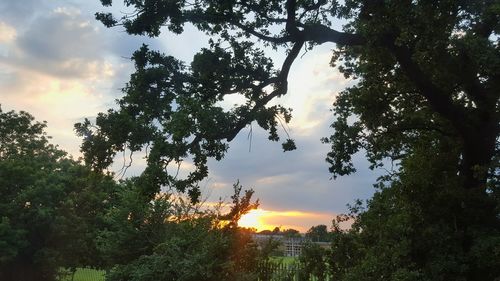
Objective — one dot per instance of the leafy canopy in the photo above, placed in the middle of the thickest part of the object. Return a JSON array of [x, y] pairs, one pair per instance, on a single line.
[[426, 98], [421, 224], [420, 65], [50, 205]]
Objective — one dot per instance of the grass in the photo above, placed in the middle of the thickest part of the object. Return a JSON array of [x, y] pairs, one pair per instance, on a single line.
[[85, 274], [284, 260]]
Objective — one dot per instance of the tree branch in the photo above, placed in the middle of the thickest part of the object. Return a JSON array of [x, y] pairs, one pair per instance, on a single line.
[[271, 39], [311, 7], [280, 89], [471, 83], [291, 26], [320, 34], [439, 101]]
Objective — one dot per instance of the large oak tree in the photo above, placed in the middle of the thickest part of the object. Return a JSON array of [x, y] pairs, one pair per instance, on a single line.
[[421, 66]]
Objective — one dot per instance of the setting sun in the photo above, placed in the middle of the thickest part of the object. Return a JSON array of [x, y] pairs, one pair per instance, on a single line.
[[262, 219], [254, 219]]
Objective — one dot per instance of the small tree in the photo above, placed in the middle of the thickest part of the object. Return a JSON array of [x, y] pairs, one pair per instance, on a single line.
[[318, 233], [167, 239], [313, 262], [50, 205]]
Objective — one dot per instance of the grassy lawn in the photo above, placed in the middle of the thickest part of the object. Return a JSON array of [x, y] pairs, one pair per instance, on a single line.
[[85, 274], [284, 260]]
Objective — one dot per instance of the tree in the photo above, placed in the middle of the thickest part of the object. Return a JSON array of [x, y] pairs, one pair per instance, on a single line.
[[290, 233], [270, 247], [416, 227], [428, 90], [318, 233], [421, 65], [313, 262], [50, 205], [167, 239]]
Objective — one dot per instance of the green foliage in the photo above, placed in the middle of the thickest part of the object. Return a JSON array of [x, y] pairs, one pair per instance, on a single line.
[[270, 249], [168, 239], [290, 233], [418, 227], [313, 262], [318, 233], [159, 112], [420, 72], [426, 99], [50, 205], [421, 66], [132, 218]]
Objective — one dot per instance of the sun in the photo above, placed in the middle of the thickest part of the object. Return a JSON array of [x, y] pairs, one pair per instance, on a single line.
[[254, 219]]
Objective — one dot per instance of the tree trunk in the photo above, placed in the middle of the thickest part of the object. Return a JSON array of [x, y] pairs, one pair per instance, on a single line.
[[479, 140]]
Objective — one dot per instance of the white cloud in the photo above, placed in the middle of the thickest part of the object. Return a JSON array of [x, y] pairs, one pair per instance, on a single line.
[[7, 33], [62, 43], [68, 11], [313, 87], [270, 180]]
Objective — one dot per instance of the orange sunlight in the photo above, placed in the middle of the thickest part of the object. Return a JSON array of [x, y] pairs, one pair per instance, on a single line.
[[261, 219], [254, 219]]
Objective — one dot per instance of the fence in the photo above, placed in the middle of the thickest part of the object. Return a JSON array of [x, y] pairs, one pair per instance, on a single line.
[[266, 271]]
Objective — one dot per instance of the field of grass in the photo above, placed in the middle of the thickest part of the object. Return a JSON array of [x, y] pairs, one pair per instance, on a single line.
[[284, 260], [85, 274]]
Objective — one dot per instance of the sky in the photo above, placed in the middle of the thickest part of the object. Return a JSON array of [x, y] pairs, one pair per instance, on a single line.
[[61, 65]]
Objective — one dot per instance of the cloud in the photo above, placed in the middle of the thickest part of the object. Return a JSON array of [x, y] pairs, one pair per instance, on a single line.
[[191, 37], [62, 43], [7, 33], [61, 102], [313, 87], [298, 179], [276, 179], [56, 67], [20, 12]]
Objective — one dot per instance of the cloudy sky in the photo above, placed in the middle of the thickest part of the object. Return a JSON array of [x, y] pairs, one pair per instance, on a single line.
[[58, 63]]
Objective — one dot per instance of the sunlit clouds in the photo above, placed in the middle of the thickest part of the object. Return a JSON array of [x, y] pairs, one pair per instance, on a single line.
[[313, 86], [55, 68]]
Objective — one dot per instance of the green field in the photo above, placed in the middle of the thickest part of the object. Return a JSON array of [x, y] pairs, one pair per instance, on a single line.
[[284, 260], [85, 274]]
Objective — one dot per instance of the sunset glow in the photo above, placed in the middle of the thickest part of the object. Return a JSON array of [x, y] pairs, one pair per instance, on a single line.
[[254, 219], [261, 219]]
